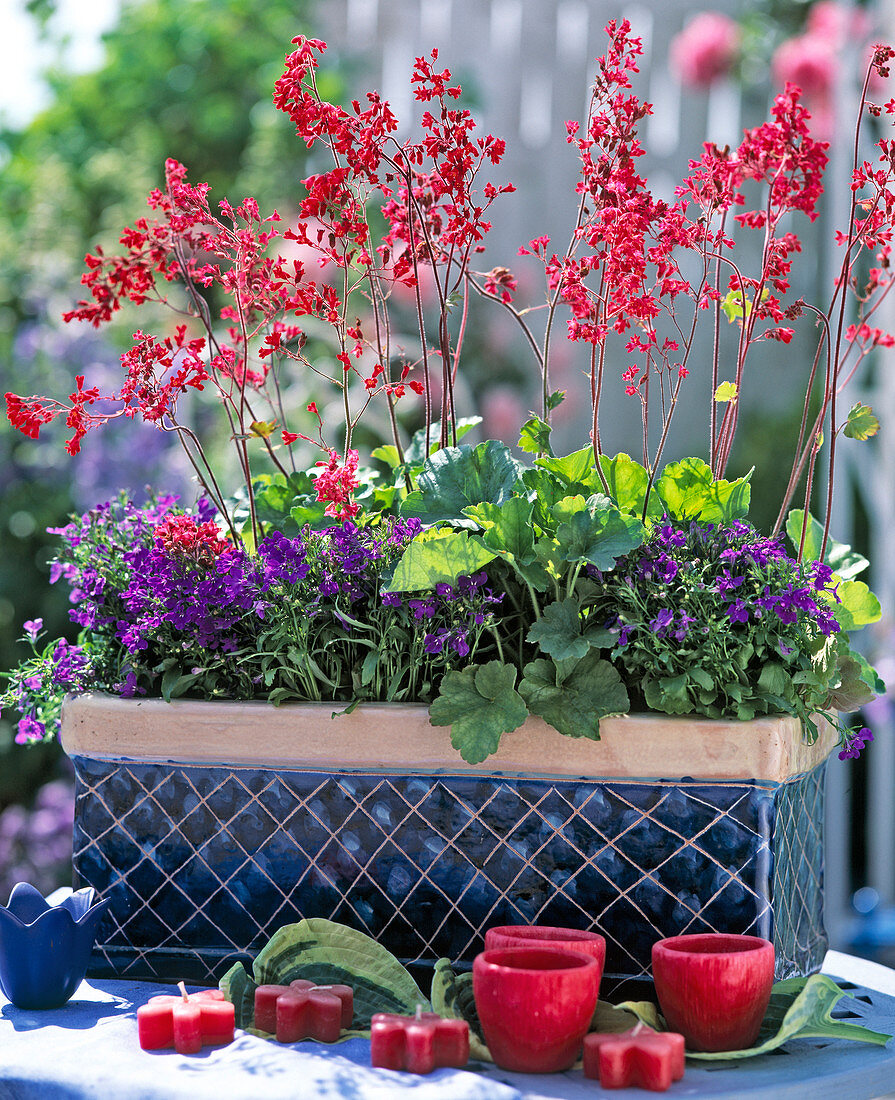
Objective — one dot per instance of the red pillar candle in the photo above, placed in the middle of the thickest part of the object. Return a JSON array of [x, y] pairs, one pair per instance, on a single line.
[[157, 1029], [418, 1044], [640, 1057]]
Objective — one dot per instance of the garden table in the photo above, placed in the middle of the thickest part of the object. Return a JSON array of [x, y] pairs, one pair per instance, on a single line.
[[89, 1050]]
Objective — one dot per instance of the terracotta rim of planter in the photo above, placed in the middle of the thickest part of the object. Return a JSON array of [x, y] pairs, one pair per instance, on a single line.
[[389, 737]]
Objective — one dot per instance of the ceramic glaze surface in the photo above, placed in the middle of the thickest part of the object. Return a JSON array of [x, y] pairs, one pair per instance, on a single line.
[[203, 863]]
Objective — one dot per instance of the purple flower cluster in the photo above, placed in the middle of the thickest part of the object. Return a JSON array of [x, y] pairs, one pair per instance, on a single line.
[[202, 603], [753, 577], [35, 844], [41, 682], [460, 609], [854, 743]]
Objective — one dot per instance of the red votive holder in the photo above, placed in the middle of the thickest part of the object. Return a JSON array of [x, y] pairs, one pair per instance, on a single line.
[[535, 1005], [544, 935], [714, 988]]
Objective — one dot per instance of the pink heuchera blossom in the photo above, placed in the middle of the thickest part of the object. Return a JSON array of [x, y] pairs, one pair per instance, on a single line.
[[705, 49], [335, 482]]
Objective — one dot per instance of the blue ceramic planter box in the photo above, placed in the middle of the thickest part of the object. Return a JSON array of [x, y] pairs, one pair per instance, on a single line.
[[210, 825]]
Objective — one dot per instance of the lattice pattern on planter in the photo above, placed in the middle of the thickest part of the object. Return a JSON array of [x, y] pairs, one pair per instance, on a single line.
[[204, 863], [798, 873]]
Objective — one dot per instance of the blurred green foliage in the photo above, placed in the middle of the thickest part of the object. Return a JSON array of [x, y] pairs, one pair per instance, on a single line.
[[190, 79]]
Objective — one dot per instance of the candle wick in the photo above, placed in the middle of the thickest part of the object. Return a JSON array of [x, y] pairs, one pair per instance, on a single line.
[[183, 992]]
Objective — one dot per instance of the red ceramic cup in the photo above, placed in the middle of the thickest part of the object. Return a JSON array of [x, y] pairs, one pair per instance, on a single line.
[[535, 1005], [543, 935], [714, 988]]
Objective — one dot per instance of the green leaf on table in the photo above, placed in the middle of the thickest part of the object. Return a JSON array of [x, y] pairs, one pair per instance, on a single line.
[[800, 1007], [574, 704], [479, 703], [860, 423], [452, 998], [595, 531], [507, 528], [534, 438], [645, 1012], [327, 953], [456, 477], [437, 555]]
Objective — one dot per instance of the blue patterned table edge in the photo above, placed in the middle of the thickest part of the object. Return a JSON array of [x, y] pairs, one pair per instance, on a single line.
[[89, 1049]]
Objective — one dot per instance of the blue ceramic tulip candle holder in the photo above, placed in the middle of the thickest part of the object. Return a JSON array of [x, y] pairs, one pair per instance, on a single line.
[[44, 948]]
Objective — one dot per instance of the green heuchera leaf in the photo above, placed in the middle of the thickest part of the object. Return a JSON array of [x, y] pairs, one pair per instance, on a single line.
[[328, 954], [800, 1007], [857, 605], [687, 490], [853, 691], [479, 703], [668, 694], [595, 531], [627, 485], [507, 528], [415, 455], [575, 703], [452, 998], [558, 631], [535, 437], [561, 634], [860, 423], [845, 562], [575, 471], [456, 477], [437, 555]]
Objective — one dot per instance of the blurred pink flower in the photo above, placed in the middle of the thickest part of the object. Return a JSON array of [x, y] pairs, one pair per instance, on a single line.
[[808, 61], [503, 410], [837, 22], [705, 49]]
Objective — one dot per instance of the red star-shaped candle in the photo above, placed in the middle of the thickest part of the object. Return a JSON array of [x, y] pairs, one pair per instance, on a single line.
[[187, 1022], [304, 1010], [640, 1057], [418, 1044]]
